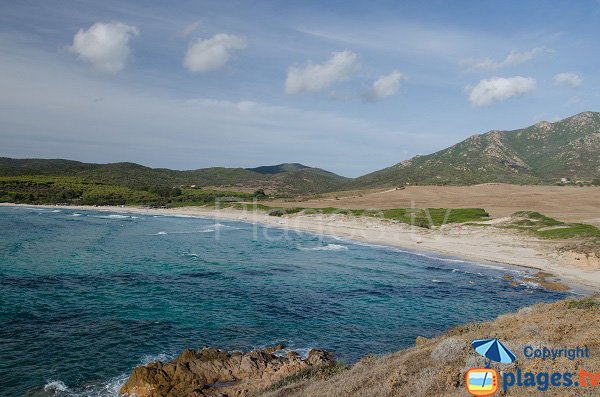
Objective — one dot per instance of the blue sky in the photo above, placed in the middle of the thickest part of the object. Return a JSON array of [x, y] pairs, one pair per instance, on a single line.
[[351, 87]]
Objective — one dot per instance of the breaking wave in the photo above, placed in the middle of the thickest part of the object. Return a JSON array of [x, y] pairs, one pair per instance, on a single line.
[[328, 247]]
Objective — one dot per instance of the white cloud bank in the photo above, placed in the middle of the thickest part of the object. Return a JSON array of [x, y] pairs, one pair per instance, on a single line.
[[512, 59], [104, 45], [499, 89], [385, 86], [316, 77], [568, 79], [207, 55]]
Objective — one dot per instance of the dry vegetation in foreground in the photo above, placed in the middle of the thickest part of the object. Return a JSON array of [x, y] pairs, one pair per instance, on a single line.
[[437, 367]]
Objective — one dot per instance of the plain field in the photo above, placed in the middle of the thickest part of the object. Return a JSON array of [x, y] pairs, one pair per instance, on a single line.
[[566, 203]]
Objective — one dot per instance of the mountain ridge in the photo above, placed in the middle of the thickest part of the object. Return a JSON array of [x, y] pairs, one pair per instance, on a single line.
[[286, 178], [543, 153]]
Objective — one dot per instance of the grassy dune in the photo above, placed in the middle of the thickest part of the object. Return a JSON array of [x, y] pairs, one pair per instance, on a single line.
[[547, 227], [424, 217]]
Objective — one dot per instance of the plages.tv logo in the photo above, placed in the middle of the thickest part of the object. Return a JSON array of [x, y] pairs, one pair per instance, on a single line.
[[484, 381]]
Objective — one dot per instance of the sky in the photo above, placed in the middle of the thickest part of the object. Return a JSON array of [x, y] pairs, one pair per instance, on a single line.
[[351, 87]]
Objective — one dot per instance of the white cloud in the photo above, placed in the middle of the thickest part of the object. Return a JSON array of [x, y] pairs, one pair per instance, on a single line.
[[512, 59], [207, 55], [568, 79], [316, 77], [385, 86], [189, 29], [71, 122], [498, 89], [104, 45]]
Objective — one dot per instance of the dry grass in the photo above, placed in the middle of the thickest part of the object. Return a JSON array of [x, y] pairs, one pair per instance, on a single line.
[[437, 367], [567, 203]]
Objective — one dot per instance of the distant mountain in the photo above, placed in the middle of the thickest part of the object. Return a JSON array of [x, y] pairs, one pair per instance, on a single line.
[[282, 178], [279, 168], [541, 154]]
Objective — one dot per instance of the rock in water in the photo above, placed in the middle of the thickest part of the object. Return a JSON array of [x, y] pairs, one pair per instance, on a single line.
[[213, 372]]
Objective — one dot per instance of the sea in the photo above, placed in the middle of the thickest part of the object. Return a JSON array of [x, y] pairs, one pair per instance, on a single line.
[[86, 296]]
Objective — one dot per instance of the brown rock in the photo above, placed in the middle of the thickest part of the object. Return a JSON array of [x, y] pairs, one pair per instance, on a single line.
[[213, 372], [317, 357], [274, 349]]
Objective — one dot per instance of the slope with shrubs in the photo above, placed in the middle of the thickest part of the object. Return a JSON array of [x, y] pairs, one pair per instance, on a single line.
[[437, 367], [540, 154], [281, 179]]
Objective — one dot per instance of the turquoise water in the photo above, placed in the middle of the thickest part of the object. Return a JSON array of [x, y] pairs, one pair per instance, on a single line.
[[86, 296]]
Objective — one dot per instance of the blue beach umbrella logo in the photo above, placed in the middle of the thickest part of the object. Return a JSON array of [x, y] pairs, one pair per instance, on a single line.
[[482, 382], [494, 350]]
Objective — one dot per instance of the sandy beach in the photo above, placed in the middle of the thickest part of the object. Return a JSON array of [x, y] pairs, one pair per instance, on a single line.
[[484, 245]]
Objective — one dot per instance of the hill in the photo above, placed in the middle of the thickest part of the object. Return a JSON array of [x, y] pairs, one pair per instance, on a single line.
[[276, 169], [543, 153], [279, 179]]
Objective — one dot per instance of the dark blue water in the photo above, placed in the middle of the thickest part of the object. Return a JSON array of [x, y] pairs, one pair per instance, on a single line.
[[86, 296]]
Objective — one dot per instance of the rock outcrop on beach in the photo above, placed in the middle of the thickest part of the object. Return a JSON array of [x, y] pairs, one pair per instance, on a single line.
[[213, 372]]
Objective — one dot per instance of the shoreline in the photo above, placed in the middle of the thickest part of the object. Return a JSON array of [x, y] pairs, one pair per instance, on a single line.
[[478, 245]]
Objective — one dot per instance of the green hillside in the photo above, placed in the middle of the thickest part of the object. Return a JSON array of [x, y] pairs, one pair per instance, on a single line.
[[544, 153], [281, 179], [541, 154]]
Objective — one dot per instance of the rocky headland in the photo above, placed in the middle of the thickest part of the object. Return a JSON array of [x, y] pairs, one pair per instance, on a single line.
[[212, 372], [433, 367]]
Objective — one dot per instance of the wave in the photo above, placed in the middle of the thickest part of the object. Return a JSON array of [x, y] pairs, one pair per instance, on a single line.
[[328, 247], [151, 358], [396, 249], [531, 285], [228, 226], [42, 210], [114, 216], [76, 214], [289, 347], [162, 233], [303, 352], [107, 388], [55, 386]]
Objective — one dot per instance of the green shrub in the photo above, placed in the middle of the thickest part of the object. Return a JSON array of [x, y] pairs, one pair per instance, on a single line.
[[585, 303]]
